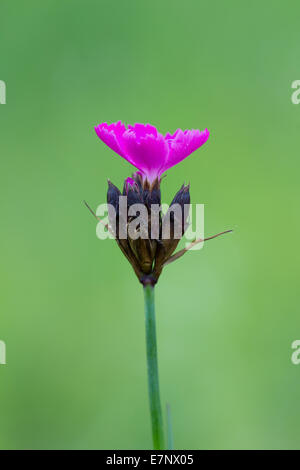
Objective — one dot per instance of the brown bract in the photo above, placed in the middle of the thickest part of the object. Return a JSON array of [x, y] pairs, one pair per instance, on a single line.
[[146, 254]]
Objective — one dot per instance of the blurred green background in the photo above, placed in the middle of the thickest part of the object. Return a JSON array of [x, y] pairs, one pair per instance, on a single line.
[[71, 308]]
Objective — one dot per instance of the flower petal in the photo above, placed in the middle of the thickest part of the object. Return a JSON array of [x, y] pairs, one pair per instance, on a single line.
[[147, 152], [141, 130], [182, 144], [111, 135]]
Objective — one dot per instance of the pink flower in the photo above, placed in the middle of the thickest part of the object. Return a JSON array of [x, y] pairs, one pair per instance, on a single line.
[[148, 150]]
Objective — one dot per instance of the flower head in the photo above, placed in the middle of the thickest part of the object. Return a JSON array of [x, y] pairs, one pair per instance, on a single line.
[[148, 150], [146, 235]]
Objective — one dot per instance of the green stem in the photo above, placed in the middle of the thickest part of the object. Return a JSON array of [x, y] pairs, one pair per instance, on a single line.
[[170, 439], [153, 384]]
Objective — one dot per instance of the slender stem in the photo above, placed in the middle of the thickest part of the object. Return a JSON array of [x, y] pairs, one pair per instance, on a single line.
[[170, 439], [153, 384]]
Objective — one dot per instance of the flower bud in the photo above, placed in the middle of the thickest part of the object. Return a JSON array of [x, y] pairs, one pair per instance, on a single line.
[[183, 199], [176, 221], [132, 191], [113, 194], [147, 256]]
